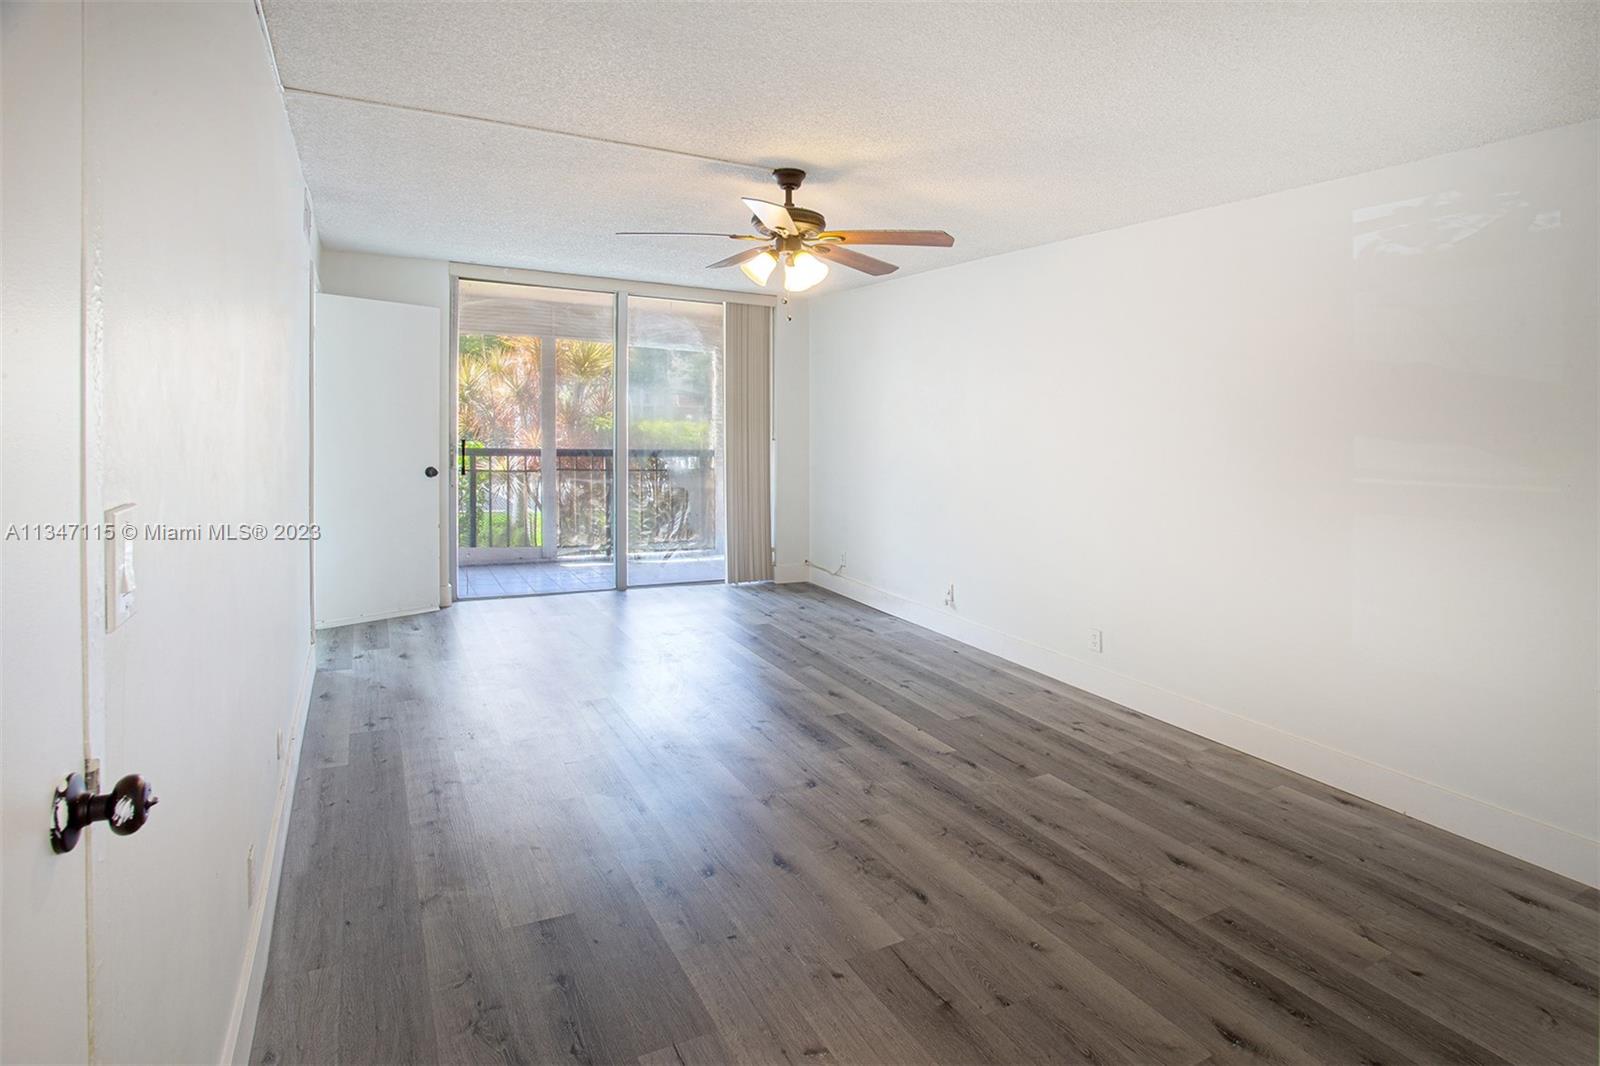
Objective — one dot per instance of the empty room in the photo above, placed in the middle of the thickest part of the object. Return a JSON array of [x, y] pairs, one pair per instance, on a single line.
[[799, 532]]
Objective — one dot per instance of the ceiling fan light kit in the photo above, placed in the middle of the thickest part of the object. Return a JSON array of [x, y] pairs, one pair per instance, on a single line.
[[798, 239], [758, 268], [802, 271]]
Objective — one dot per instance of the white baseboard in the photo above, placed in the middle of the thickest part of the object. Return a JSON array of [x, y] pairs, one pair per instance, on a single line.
[[247, 998], [1527, 838], [789, 573]]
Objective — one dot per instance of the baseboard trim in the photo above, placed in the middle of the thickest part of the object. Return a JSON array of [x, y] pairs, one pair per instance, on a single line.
[[253, 971], [1540, 843]]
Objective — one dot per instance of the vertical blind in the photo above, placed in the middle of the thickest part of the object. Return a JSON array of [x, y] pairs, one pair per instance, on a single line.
[[749, 428]]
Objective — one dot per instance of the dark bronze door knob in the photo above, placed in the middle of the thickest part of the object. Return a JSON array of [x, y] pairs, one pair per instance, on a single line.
[[432, 471], [125, 808]]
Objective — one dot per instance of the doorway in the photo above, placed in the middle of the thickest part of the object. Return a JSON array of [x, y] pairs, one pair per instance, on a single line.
[[536, 415], [676, 493], [541, 404]]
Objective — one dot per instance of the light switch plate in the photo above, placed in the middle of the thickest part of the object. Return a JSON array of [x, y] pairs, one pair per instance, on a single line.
[[120, 578]]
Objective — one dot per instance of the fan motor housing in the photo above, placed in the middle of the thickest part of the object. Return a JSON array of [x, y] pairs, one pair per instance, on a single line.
[[809, 221]]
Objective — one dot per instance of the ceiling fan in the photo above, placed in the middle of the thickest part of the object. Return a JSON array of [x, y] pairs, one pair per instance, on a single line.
[[799, 239]]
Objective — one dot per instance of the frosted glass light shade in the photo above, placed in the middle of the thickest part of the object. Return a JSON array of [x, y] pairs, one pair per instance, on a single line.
[[803, 271], [760, 268]]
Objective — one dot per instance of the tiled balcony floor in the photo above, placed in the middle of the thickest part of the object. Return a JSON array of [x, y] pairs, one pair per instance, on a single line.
[[533, 579]]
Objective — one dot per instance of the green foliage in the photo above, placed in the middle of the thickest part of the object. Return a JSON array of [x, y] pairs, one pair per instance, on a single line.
[[585, 386], [500, 530], [663, 433], [500, 391], [502, 406]]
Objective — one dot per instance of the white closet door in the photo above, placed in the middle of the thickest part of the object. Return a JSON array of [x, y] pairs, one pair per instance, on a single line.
[[377, 436]]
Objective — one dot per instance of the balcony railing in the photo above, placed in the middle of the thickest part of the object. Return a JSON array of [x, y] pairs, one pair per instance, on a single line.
[[671, 501]]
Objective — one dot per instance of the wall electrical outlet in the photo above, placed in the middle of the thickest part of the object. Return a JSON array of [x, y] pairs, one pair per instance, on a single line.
[[280, 745], [250, 877], [841, 560], [1097, 641], [950, 596]]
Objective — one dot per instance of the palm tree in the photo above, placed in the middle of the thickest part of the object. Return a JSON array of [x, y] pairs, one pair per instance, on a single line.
[[499, 390], [585, 390], [585, 387], [499, 408]]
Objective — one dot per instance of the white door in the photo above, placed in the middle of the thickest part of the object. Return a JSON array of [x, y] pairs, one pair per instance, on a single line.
[[377, 439], [122, 261], [43, 983]]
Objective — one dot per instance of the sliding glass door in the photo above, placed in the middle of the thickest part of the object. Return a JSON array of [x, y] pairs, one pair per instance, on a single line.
[[675, 492], [540, 484], [536, 374]]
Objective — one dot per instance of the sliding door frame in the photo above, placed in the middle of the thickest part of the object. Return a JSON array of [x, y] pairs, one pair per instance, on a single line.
[[620, 289], [619, 411], [450, 542]]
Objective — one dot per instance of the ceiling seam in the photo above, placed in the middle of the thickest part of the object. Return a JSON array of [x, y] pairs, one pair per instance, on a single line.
[[526, 127]]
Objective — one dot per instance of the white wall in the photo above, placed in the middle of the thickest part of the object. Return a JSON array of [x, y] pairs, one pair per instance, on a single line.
[[791, 446], [427, 282], [195, 306], [386, 277], [1321, 465]]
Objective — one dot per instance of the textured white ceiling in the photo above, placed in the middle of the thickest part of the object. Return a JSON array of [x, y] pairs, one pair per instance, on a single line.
[[1008, 124]]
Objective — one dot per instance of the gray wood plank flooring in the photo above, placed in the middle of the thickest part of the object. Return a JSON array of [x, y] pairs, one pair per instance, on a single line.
[[712, 824]]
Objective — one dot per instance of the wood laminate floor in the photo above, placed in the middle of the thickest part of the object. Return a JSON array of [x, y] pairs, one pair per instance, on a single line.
[[712, 824]]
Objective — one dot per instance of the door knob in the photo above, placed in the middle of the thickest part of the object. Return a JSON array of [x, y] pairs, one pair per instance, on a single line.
[[432, 471], [125, 808]]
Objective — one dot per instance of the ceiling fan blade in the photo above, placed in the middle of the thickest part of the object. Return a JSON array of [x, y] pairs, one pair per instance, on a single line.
[[854, 260], [735, 260], [773, 216], [686, 233], [932, 238]]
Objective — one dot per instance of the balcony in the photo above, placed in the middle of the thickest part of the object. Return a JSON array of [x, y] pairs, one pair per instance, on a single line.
[[511, 543]]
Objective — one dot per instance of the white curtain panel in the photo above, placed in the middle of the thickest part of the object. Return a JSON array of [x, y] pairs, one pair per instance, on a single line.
[[748, 418]]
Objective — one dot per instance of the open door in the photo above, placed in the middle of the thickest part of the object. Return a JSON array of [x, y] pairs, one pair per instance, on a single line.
[[536, 412], [377, 460]]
